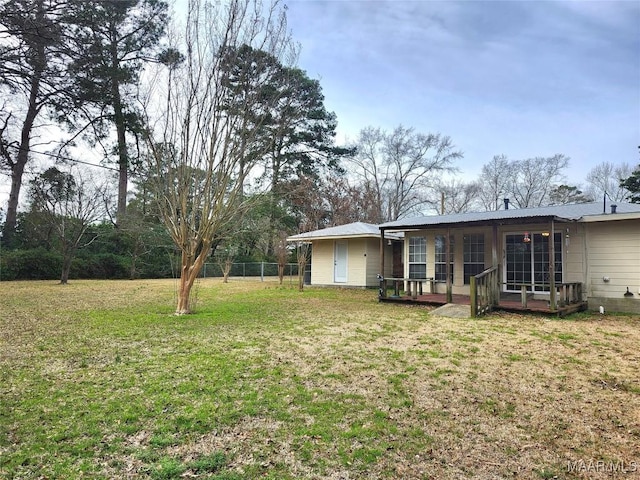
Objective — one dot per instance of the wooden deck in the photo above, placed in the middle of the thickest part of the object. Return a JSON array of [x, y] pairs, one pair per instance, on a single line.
[[508, 302]]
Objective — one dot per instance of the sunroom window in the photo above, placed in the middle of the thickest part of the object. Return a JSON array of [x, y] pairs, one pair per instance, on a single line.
[[441, 257], [417, 257], [473, 255]]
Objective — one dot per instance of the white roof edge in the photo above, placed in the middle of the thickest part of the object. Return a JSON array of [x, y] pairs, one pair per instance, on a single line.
[[307, 238], [567, 213], [610, 217]]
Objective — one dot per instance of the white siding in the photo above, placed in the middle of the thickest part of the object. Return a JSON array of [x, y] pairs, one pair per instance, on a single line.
[[373, 261], [322, 262], [363, 262], [575, 258], [613, 252]]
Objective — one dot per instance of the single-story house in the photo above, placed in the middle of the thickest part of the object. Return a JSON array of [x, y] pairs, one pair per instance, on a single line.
[[567, 256], [350, 255]]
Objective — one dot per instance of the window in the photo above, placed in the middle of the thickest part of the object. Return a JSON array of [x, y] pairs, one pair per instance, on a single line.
[[441, 258], [417, 257], [473, 255]]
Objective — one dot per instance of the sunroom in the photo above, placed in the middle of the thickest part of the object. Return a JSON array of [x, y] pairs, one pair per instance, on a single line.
[[520, 259]]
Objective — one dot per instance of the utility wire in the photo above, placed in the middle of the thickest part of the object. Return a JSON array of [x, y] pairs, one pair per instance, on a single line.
[[69, 159]]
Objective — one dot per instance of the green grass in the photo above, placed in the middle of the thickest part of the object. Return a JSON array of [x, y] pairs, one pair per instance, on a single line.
[[100, 380]]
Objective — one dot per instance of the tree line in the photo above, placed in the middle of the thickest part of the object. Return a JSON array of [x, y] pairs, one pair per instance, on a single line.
[[211, 141]]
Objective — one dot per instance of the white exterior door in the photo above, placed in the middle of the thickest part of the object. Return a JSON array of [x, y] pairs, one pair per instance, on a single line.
[[340, 262]]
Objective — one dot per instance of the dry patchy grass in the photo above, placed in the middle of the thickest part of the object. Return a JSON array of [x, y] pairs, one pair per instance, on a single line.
[[100, 380]]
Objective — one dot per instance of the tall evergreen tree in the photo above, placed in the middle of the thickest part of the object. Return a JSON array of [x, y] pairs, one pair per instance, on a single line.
[[291, 130], [31, 69], [632, 185], [113, 41]]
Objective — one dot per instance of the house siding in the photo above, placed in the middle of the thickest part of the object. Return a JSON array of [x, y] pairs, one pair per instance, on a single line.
[[363, 262], [614, 253], [322, 262], [575, 254]]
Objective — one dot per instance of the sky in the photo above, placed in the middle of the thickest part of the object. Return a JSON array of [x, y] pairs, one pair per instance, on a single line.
[[519, 78]]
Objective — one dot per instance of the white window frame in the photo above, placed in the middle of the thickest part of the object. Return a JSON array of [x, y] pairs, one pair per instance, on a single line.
[[417, 256]]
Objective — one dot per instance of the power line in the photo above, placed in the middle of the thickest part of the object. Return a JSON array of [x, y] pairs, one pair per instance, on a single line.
[[69, 159]]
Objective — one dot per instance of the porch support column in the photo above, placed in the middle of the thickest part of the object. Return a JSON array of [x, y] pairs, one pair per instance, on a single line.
[[495, 287], [553, 303], [449, 287], [383, 283]]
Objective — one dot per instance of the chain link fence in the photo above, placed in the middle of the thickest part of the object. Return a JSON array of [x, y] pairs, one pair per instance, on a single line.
[[254, 270]]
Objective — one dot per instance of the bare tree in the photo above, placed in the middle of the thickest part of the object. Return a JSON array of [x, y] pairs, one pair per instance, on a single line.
[[282, 255], [534, 179], [348, 201], [303, 251], [457, 196], [225, 256], [70, 205], [199, 146], [494, 182], [607, 177], [402, 168]]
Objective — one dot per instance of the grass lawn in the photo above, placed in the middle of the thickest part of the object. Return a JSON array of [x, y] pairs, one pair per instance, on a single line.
[[99, 380]]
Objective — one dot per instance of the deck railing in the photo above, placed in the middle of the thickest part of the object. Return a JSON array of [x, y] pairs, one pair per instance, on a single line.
[[569, 293], [414, 286], [484, 289]]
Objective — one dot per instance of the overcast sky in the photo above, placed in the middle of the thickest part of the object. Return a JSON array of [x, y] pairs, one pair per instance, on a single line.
[[520, 78]]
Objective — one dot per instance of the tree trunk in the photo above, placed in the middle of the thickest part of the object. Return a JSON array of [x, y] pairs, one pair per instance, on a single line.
[[226, 270], [22, 158], [119, 120], [281, 272], [301, 271], [66, 268], [188, 274]]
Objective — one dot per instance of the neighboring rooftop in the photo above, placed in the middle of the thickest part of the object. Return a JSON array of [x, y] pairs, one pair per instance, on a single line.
[[350, 230], [575, 212]]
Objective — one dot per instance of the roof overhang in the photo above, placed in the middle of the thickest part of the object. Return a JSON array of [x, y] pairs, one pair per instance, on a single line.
[[608, 217], [312, 238], [476, 223]]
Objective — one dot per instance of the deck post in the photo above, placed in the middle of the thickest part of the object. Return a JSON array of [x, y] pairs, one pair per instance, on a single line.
[[495, 285], [383, 284], [473, 291], [449, 287], [553, 301]]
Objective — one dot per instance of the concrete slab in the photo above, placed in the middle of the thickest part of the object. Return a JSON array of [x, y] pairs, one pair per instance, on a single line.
[[453, 310]]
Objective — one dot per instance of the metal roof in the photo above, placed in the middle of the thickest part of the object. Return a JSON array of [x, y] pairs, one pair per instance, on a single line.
[[574, 212], [350, 230]]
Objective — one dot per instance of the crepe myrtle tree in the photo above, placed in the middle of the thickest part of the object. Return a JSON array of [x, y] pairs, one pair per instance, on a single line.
[[199, 147]]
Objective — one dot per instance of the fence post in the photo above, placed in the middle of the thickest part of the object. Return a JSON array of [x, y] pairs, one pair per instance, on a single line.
[[262, 271]]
